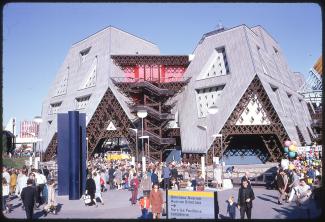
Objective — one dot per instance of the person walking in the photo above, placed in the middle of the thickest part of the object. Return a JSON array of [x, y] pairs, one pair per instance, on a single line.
[[19, 181], [174, 185], [118, 177], [98, 193], [154, 177], [13, 181], [5, 174], [282, 182], [146, 184], [200, 182], [144, 206], [5, 195], [111, 172], [134, 183], [174, 172], [245, 199], [166, 175], [91, 189], [51, 203], [231, 207], [156, 201], [28, 195], [46, 172]]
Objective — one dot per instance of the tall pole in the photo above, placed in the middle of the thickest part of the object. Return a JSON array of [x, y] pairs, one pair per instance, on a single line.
[[206, 154], [86, 151], [148, 150], [221, 158], [142, 139], [136, 145]]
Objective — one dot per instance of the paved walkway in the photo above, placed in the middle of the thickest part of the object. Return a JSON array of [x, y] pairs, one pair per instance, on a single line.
[[117, 205]]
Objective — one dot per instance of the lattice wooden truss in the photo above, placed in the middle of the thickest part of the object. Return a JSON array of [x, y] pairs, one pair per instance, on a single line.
[[131, 60], [272, 135], [109, 109], [50, 152]]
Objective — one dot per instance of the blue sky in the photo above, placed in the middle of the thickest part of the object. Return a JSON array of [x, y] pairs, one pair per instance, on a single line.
[[37, 37]]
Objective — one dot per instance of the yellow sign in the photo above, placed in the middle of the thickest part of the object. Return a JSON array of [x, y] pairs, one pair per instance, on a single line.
[[117, 156], [190, 193]]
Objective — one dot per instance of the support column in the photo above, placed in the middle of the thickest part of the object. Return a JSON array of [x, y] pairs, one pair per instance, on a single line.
[[74, 166]]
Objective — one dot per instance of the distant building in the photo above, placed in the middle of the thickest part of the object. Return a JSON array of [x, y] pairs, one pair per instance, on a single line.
[[241, 72], [312, 91], [28, 129]]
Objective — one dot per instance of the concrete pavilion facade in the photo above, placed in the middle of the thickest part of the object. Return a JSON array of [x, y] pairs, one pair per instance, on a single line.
[[241, 71]]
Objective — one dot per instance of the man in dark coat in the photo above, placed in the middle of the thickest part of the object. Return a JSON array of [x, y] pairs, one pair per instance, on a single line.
[[46, 172], [154, 177], [282, 183], [28, 195], [91, 190], [174, 172], [111, 172], [245, 199]]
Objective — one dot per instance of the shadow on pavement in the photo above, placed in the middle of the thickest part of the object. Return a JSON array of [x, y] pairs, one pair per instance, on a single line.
[[223, 216], [287, 212], [266, 199], [38, 214], [59, 207], [274, 197], [16, 206]]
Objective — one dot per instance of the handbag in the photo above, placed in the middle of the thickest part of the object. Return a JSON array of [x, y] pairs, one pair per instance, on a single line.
[[87, 199], [163, 213]]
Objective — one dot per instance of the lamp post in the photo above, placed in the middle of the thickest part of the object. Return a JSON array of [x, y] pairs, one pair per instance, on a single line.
[[221, 153], [146, 137], [136, 144], [205, 128], [38, 120], [142, 114], [86, 151]]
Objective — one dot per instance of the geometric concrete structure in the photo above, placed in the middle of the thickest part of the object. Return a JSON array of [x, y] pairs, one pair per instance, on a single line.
[[248, 59], [240, 71], [83, 80]]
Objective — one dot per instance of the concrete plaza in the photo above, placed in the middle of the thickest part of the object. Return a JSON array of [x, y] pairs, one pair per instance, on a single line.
[[117, 205]]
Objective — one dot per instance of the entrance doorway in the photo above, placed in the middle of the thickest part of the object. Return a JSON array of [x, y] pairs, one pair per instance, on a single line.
[[246, 149]]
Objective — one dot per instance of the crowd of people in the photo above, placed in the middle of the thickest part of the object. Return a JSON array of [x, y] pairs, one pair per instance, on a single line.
[[33, 187], [296, 180]]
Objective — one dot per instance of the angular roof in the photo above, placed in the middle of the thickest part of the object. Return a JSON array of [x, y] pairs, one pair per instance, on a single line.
[[84, 76], [248, 54]]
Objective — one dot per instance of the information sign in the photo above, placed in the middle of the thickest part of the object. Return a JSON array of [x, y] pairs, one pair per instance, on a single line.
[[191, 205]]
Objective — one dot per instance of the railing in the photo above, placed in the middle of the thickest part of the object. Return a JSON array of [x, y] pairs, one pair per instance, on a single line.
[[153, 112], [149, 79], [155, 138]]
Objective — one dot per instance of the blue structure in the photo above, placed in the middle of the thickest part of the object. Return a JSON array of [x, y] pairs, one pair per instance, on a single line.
[[71, 154]]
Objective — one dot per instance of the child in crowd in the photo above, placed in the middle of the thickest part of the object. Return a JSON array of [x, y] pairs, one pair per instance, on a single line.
[[144, 206], [174, 184], [193, 183], [231, 208]]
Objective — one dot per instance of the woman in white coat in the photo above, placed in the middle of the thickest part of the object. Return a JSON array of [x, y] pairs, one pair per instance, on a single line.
[[21, 182], [98, 192]]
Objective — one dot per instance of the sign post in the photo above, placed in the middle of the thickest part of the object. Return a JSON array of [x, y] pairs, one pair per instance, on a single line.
[[192, 205]]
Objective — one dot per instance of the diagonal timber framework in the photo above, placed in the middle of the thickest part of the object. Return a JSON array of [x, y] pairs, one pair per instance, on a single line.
[[272, 135], [109, 109]]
